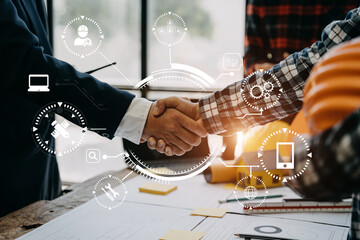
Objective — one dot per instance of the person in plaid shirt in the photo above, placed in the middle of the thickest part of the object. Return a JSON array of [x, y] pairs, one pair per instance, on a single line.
[[279, 27], [226, 111], [220, 111]]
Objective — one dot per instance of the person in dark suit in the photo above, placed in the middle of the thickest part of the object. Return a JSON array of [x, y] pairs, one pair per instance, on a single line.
[[27, 173]]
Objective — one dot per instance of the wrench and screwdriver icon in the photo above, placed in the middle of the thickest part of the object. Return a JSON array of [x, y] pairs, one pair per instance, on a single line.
[[113, 192]]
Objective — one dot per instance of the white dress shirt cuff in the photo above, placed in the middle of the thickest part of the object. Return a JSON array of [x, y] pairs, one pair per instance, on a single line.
[[132, 125]]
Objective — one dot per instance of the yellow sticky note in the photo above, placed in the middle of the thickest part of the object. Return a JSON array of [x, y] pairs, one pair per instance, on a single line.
[[182, 235], [157, 188], [209, 212]]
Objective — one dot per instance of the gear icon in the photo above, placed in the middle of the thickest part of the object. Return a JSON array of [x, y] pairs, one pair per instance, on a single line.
[[267, 95], [268, 87], [258, 94]]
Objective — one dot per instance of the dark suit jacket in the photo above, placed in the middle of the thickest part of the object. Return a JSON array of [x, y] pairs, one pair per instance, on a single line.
[[28, 174]]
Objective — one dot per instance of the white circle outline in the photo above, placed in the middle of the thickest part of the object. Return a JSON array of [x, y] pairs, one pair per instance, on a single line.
[[63, 36], [237, 198], [43, 112], [119, 202], [246, 80], [261, 150]]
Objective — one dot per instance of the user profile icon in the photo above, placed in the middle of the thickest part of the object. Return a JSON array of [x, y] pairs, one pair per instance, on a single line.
[[92, 155], [82, 40]]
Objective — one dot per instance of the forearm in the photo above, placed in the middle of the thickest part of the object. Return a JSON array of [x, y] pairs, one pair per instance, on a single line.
[[223, 110], [102, 105]]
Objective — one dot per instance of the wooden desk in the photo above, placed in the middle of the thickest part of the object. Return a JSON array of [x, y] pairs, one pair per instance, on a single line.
[[36, 214]]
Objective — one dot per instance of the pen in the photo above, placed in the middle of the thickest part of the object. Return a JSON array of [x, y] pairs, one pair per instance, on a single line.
[[250, 236], [246, 199], [97, 69]]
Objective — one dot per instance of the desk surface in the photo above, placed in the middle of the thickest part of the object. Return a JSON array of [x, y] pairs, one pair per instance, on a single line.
[[36, 214]]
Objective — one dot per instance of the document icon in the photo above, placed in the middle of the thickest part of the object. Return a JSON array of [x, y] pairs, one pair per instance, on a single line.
[[285, 161]]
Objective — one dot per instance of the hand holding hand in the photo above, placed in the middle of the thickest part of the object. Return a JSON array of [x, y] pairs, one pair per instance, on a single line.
[[175, 128], [183, 105]]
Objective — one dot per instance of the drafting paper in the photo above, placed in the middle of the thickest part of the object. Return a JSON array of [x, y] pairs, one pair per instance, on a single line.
[[128, 221], [230, 224]]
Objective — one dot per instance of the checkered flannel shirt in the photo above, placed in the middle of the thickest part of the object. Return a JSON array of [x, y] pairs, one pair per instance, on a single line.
[[277, 26], [335, 171], [224, 111]]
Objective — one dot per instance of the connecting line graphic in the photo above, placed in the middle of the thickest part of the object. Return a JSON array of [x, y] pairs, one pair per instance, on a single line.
[[224, 74], [116, 68], [251, 114], [170, 56], [127, 176], [116, 156], [248, 166]]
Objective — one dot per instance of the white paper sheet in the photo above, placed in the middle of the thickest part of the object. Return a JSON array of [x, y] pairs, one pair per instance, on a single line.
[[226, 227], [129, 221]]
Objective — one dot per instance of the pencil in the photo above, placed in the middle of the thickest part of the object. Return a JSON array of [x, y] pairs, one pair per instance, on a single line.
[[250, 236], [246, 199]]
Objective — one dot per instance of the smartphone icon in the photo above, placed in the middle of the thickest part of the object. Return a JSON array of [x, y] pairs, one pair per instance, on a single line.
[[284, 155]]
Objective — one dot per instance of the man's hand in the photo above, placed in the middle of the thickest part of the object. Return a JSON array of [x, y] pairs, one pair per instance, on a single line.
[[183, 105], [178, 131]]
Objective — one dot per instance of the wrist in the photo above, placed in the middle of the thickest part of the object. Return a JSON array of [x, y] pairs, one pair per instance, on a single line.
[[147, 129]]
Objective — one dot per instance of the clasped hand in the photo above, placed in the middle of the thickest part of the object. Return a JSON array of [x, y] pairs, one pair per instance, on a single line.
[[173, 126]]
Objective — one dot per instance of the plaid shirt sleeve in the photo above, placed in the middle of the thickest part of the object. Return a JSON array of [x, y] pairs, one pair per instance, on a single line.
[[223, 110]]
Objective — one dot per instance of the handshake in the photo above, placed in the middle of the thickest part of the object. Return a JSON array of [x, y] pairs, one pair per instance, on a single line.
[[173, 126]]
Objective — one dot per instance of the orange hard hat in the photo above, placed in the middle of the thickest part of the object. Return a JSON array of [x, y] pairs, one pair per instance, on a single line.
[[333, 88]]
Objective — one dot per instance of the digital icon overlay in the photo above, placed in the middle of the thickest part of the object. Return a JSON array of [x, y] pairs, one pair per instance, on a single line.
[[38, 83], [284, 154], [82, 39], [110, 192], [264, 86], [46, 128], [250, 192], [92, 155], [82, 36], [232, 61], [288, 163], [169, 29]]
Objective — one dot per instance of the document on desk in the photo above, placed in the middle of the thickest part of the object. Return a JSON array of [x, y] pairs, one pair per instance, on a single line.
[[230, 224], [190, 193], [128, 221]]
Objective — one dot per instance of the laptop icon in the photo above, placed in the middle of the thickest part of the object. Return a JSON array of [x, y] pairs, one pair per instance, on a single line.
[[38, 83]]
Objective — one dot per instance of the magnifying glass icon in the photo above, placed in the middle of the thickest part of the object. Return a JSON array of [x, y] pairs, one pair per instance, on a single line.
[[92, 155]]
